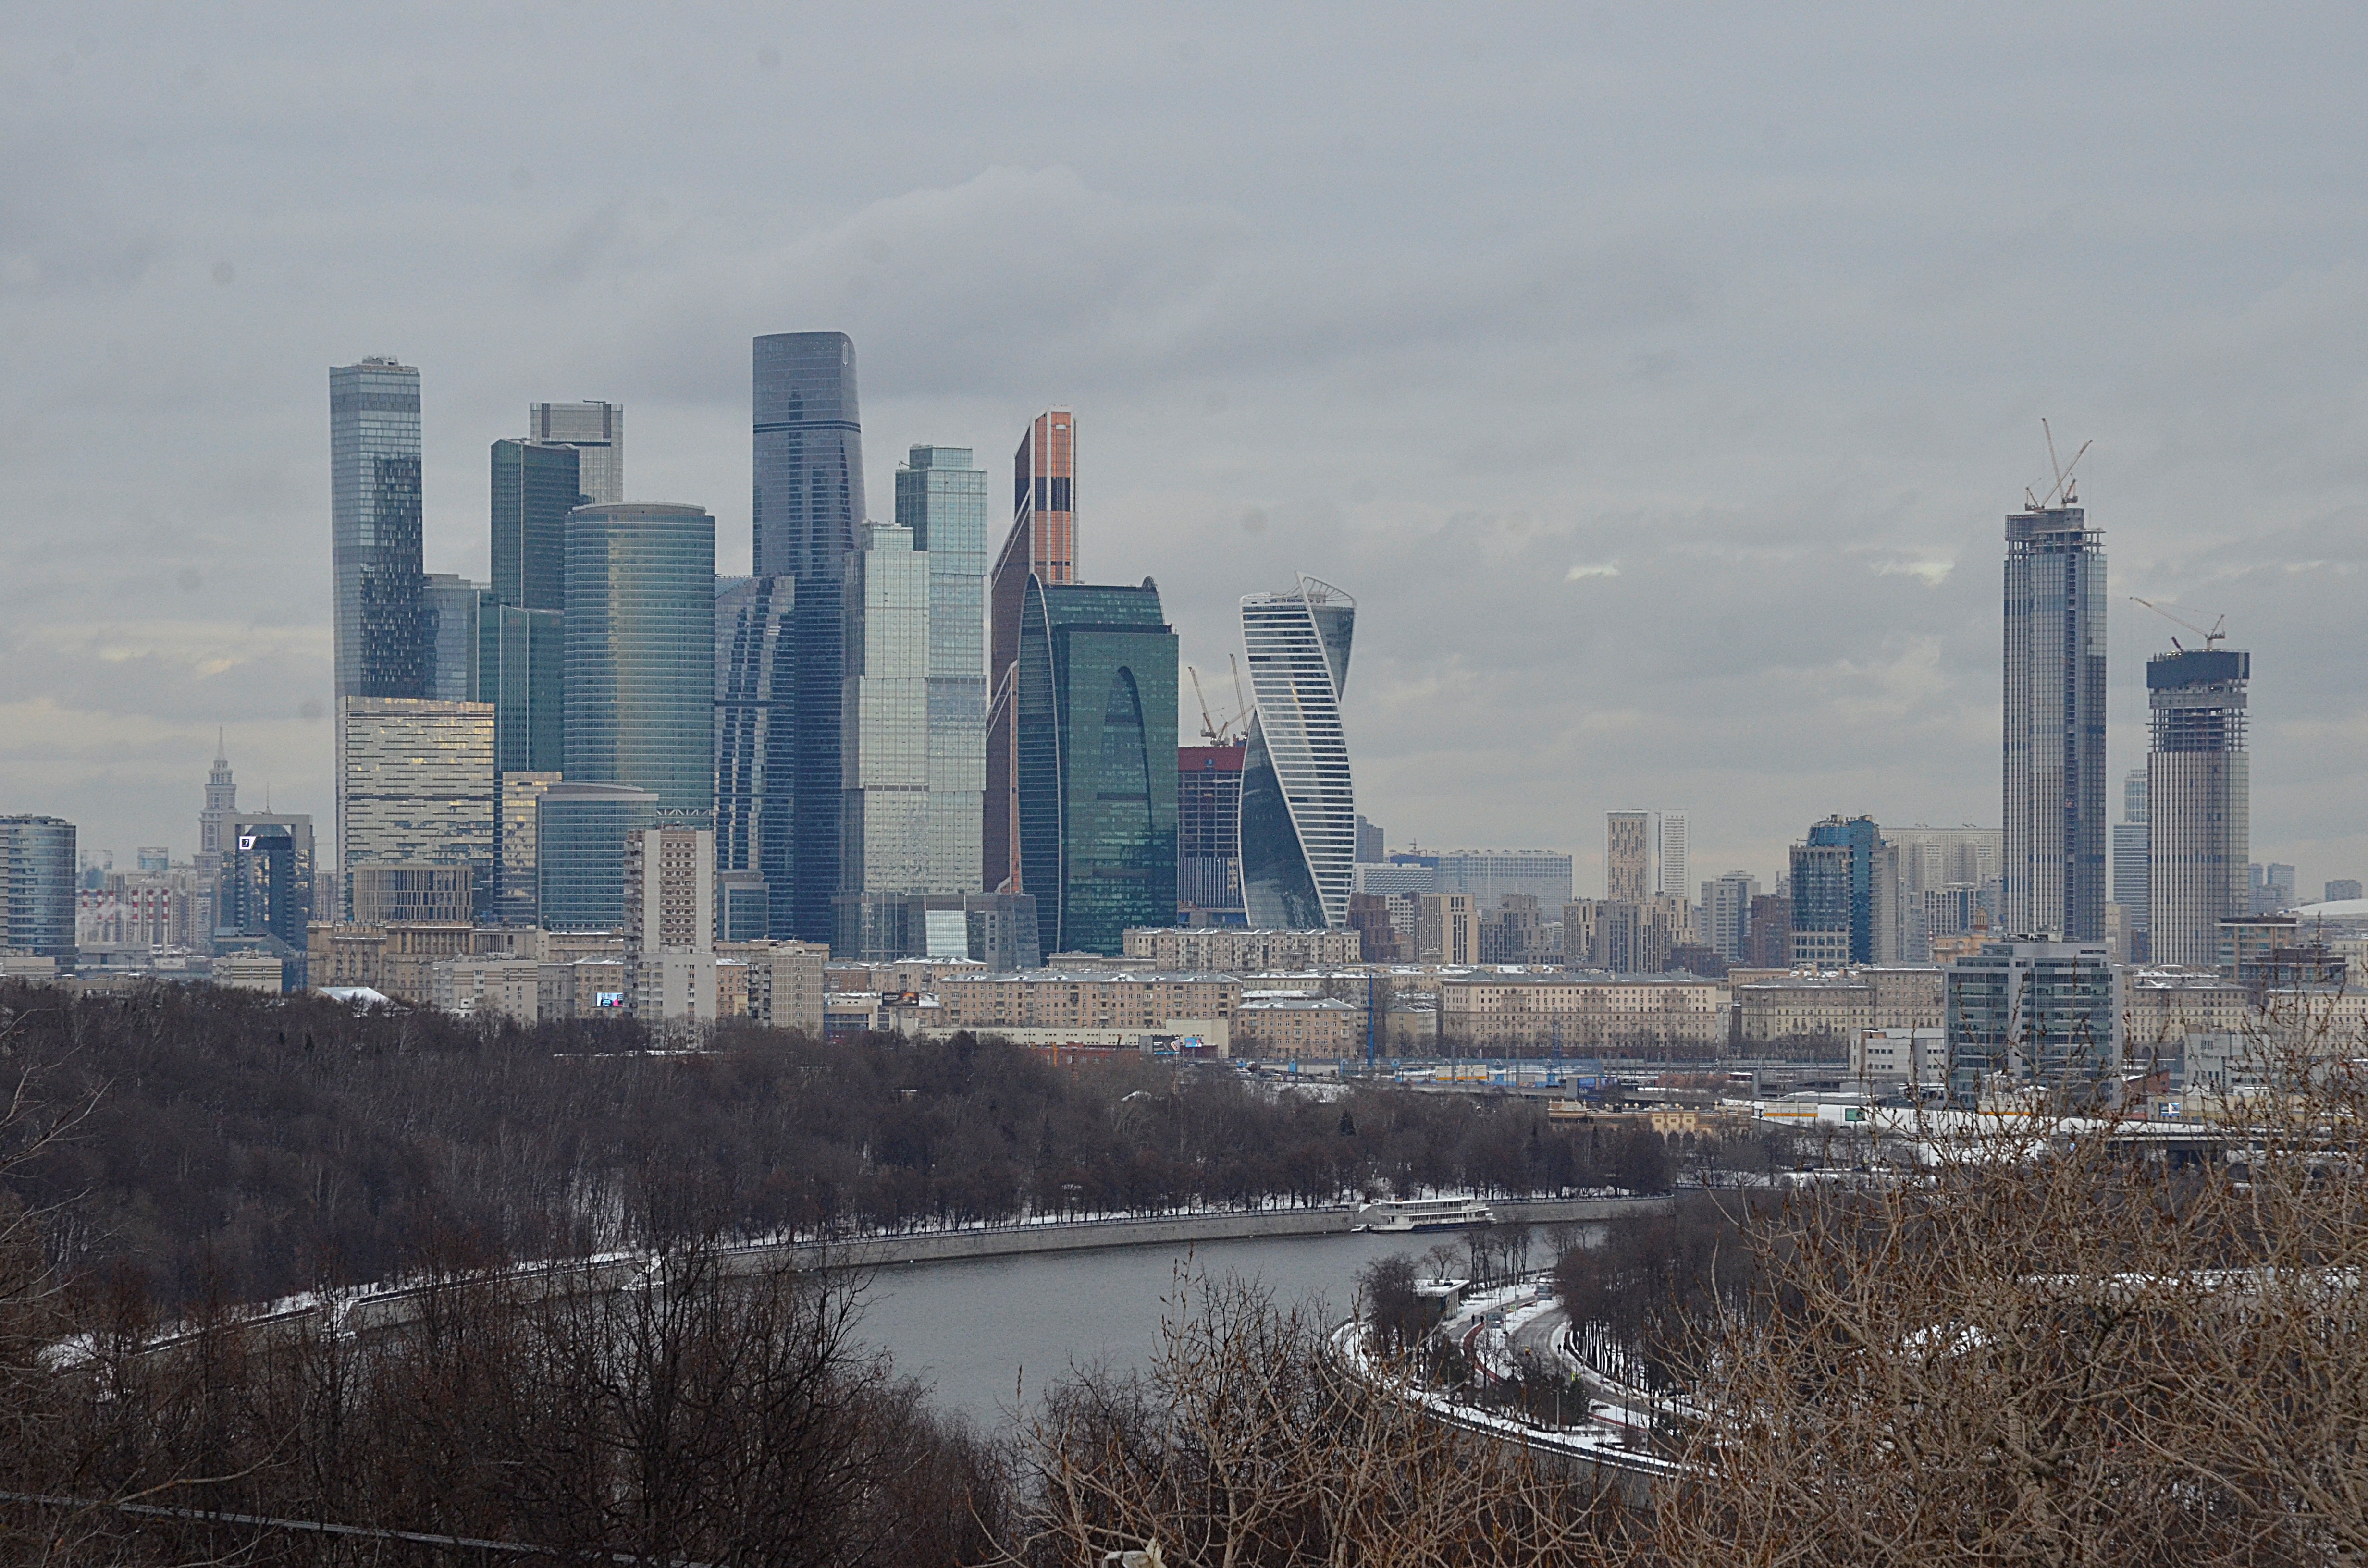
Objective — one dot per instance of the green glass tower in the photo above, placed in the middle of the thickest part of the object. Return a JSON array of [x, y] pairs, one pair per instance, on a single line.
[[1096, 738], [640, 665]]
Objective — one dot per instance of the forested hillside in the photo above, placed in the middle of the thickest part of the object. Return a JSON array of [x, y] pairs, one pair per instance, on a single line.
[[241, 1146]]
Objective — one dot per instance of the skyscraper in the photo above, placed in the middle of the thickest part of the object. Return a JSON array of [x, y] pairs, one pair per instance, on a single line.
[[1094, 715], [2197, 800], [640, 631], [2130, 863], [415, 790], [1726, 914], [942, 499], [580, 832], [596, 431], [535, 485], [1845, 887], [1627, 857], [521, 670], [884, 782], [214, 818], [451, 606], [1041, 546], [755, 707], [1299, 807], [374, 538], [37, 887], [1209, 836], [2054, 725], [1671, 855], [807, 506]]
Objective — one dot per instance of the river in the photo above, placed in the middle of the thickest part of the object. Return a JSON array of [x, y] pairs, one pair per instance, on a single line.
[[987, 1336]]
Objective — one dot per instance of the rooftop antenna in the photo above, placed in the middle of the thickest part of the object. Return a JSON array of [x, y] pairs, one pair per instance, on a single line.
[[2216, 634], [2068, 489]]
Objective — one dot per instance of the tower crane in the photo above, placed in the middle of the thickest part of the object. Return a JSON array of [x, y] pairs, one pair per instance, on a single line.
[[1212, 731], [2216, 633], [2068, 489]]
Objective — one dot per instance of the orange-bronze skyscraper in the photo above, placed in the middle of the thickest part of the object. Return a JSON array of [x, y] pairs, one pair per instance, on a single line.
[[1042, 544]]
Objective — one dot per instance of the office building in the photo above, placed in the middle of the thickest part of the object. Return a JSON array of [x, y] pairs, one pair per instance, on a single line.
[[157, 859], [2340, 890], [1369, 848], [580, 835], [1944, 857], [521, 669], [518, 813], [2129, 866], [2054, 725], [640, 635], [808, 505], [1669, 844], [2043, 1016], [450, 607], [596, 433], [942, 499], [1845, 896], [415, 787], [1299, 807], [884, 778], [1002, 931], [1400, 877], [2197, 800], [1447, 929], [375, 529], [1209, 836], [1726, 914], [535, 485], [1094, 715], [266, 883], [37, 888], [755, 767], [2270, 888], [1491, 875], [1040, 546], [1627, 857]]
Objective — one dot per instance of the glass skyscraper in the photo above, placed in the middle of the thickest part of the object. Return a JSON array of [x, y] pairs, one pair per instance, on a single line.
[[415, 789], [942, 499], [2198, 801], [521, 670], [596, 431], [375, 529], [756, 709], [640, 632], [884, 800], [37, 887], [1209, 834], [806, 507], [534, 488], [451, 608], [2054, 726], [1095, 726], [580, 852], [1299, 807], [1041, 546]]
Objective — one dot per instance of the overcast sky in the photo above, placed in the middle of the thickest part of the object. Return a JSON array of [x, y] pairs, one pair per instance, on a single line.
[[1657, 377]]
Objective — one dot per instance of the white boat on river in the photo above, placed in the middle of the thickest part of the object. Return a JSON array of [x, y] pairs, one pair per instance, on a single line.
[[1458, 1213]]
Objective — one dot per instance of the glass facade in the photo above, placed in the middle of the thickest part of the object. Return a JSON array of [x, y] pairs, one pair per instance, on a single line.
[[640, 632], [2198, 802], [807, 505], [534, 488], [415, 787], [1040, 546], [1095, 728], [596, 431], [942, 499], [266, 889], [756, 764], [521, 670], [37, 887], [1209, 834], [375, 529], [2043, 1015], [580, 852], [1299, 807], [451, 608], [516, 885], [884, 832], [2054, 726]]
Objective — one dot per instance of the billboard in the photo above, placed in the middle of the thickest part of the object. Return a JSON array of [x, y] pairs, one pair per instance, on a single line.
[[609, 1000]]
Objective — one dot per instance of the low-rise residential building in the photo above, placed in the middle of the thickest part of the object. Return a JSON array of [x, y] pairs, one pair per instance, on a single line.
[[1489, 1012], [488, 985], [1231, 950], [1905, 996], [251, 972], [785, 981], [1829, 1007], [2166, 1005], [1297, 1027], [1087, 999]]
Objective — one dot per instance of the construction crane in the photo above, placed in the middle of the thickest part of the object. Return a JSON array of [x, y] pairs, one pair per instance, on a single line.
[[2068, 490], [1215, 733], [2216, 633]]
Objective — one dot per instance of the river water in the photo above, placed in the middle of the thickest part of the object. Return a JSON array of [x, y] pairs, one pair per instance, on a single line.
[[987, 1336]]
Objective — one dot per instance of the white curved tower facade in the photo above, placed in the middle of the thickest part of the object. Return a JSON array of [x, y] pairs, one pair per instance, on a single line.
[[1298, 808]]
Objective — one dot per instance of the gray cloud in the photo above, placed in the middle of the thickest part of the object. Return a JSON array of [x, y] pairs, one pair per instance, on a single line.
[[1756, 311]]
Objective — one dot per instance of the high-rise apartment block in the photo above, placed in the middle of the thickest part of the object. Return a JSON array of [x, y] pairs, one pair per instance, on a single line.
[[1209, 836], [1094, 713], [1299, 807], [1447, 929], [942, 499], [1726, 914], [415, 790], [1627, 857], [1040, 547], [640, 632], [596, 432], [2129, 864], [37, 888], [1369, 846], [1845, 895], [807, 508], [2198, 801], [2054, 725], [1669, 846], [669, 921], [2340, 889], [2271, 888]]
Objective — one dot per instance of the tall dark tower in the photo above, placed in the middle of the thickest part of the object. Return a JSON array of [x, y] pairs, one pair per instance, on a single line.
[[807, 510]]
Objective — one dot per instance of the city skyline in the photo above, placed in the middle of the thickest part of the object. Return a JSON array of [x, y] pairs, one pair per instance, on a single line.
[[1677, 523]]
